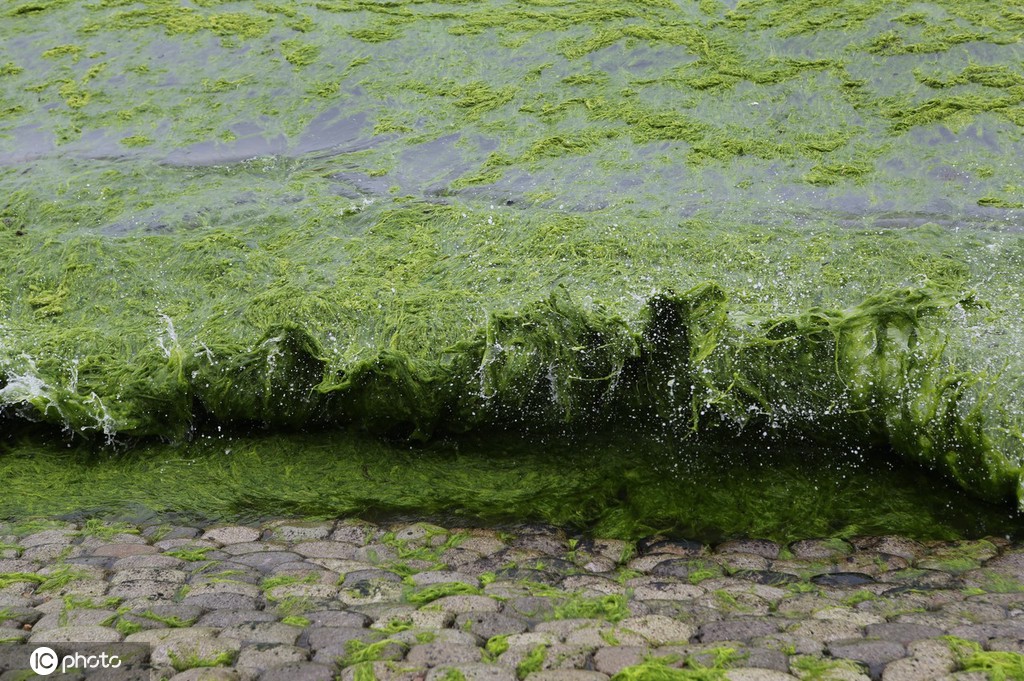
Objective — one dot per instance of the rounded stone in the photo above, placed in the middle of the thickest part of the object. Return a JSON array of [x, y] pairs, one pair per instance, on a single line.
[[123, 550], [207, 674], [758, 547], [82, 634], [472, 672], [874, 654], [434, 654], [299, 671], [267, 656], [231, 534], [488, 624], [659, 630], [464, 603], [819, 549]]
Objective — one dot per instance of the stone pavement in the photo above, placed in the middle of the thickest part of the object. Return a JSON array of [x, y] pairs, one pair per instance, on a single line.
[[309, 601]]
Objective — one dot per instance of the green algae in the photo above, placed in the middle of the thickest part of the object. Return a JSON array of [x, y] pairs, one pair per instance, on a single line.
[[298, 53], [996, 665], [711, 667], [173, 287], [629, 486], [532, 662], [549, 362], [612, 608]]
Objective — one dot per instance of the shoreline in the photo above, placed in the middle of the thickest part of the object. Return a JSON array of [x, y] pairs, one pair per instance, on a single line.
[[350, 599]]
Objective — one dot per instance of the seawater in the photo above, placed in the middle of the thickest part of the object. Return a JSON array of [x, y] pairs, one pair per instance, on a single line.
[[719, 229]]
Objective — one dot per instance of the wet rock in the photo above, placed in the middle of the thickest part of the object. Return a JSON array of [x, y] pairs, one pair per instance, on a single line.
[[843, 580], [974, 611], [901, 632], [150, 590], [655, 589], [758, 547], [567, 675], [148, 561], [681, 547], [326, 549], [647, 563], [467, 603], [231, 534], [518, 574], [435, 654], [488, 624], [736, 630], [355, 532], [431, 577], [21, 615], [897, 546], [926, 661], [230, 618], [74, 618], [318, 638], [162, 532], [766, 577], [337, 618], [687, 569], [298, 531], [872, 563], [299, 671], [356, 577], [533, 608], [591, 585], [260, 657], [472, 672], [222, 601], [207, 674], [826, 630], [614, 550], [659, 630], [250, 547], [1008, 645], [598, 634], [263, 632], [873, 653], [383, 671], [548, 544], [165, 575], [763, 658], [921, 579], [820, 549], [990, 630], [557, 656], [265, 560], [483, 545], [76, 634], [612, 659], [375, 554], [801, 645], [123, 550], [747, 674], [744, 561], [63, 536]]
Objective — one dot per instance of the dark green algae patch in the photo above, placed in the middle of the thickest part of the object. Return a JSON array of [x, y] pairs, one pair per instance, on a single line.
[[624, 485], [717, 225]]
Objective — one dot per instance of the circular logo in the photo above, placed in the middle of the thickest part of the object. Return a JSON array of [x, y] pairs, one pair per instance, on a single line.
[[43, 661]]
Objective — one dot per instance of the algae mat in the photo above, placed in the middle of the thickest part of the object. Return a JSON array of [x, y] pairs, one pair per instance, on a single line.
[[711, 222]]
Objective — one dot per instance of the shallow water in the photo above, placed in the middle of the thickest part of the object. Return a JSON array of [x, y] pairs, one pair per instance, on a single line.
[[772, 220]]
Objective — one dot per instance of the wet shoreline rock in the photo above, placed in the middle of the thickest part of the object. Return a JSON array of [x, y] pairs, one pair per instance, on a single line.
[[342, 599]]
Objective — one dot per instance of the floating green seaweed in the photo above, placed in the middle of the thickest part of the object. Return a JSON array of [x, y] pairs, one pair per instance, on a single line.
[[702, 221]]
